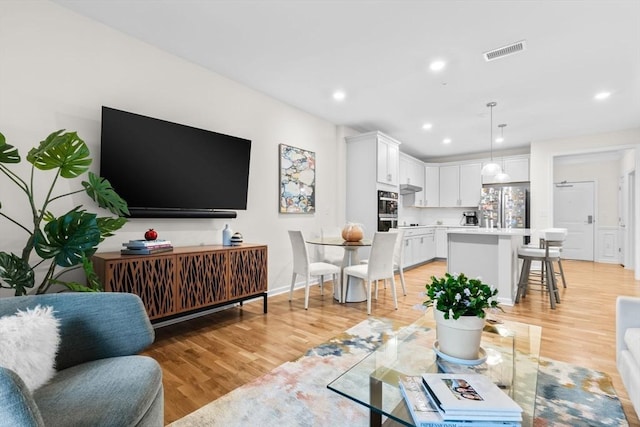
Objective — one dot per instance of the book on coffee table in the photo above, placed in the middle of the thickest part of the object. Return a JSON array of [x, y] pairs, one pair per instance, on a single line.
[[424, 414], [472, 397]]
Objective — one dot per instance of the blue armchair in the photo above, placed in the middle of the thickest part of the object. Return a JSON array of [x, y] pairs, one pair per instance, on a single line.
[[100, 379]]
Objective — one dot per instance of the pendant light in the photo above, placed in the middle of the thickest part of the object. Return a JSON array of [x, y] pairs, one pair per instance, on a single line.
[[502, 176], [491, 168]]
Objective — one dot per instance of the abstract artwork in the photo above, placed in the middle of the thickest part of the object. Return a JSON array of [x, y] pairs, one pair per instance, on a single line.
[[297, 180]]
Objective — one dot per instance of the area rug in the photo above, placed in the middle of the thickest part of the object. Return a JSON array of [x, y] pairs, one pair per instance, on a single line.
[[296, 393]]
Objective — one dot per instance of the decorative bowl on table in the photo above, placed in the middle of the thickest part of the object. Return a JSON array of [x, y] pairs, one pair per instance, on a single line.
[[352, 232]]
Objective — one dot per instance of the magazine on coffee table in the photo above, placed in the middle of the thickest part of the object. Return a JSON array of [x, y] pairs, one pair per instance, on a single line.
[[424, 414], [470, 397]]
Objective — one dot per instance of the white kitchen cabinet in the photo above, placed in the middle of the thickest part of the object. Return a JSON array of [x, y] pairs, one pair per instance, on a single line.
[[460, 185], [449, 186], [412, 173], [362, 174], [441, 242], [388, 160], [431, 186], [419, 246], [516, 167], [470, 184]]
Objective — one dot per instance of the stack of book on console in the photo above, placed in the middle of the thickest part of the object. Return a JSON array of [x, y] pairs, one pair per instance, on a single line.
[[146, 247], [457, 400]]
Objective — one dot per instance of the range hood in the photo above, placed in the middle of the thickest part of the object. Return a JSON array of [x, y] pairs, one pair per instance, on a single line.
[[409, 189]]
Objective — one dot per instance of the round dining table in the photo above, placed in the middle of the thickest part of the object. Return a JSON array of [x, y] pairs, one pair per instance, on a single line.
[[357, 291]]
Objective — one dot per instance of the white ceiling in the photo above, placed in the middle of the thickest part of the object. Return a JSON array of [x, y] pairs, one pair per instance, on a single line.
[[378, 52]]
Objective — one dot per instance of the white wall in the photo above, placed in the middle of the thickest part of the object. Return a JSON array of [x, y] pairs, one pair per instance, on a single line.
[[541, 171], [59, 68]]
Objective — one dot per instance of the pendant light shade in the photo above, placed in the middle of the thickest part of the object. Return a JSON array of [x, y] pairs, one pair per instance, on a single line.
[[502, 176], [491, 168]]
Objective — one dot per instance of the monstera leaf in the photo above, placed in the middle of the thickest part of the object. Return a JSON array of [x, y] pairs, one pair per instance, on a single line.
[[69, 238], [101, 191], [64, 151], [8, 153], [16, 273], [108, 225]]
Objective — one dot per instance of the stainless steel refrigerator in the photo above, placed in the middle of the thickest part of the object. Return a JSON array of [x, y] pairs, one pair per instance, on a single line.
[[504, 206]]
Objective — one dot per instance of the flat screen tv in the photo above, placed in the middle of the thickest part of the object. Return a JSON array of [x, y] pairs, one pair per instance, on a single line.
[[169, 170]]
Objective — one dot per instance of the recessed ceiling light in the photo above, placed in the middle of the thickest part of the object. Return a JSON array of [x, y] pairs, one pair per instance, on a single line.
[[446, 141], [602, 95], [339, 95], [427, 126], [437, 65], [499, 139]]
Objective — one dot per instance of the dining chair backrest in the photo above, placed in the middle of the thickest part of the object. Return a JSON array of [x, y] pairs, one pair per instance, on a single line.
[[398, 250], [382, 255], [300, 254]]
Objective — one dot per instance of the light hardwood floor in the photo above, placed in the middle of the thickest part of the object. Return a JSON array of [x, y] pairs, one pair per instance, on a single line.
[[205, 358]]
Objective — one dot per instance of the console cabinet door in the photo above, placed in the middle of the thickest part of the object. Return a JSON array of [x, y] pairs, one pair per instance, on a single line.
[[203, 279], [248, 272]]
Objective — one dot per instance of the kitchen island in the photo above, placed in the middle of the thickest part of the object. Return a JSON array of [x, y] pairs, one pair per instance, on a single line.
[[488, 253]]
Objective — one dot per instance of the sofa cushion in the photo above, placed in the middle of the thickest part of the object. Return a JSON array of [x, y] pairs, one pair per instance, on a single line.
[[30, 340], [632, 340], [108, 392]]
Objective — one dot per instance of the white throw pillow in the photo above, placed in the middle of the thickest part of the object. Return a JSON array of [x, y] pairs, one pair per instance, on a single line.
[[28, 344]]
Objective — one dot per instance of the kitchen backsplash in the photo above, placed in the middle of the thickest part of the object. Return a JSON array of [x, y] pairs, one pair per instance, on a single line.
[[430, 216]]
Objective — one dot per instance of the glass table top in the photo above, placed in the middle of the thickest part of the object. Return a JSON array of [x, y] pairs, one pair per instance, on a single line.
[[512, 350]]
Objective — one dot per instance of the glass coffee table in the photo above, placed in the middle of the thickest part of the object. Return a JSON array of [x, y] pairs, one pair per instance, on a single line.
[[512, 350]]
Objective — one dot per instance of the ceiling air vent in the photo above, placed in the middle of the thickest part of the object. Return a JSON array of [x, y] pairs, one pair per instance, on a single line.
[[501, 52]]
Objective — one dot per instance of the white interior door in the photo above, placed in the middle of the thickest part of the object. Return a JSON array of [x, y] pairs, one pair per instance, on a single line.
[[573, 209]]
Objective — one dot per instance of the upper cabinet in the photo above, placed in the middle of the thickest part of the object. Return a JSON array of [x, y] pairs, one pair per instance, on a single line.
[[388, 158], [460, 185], [431, 186], [411, 175], [516, 167]]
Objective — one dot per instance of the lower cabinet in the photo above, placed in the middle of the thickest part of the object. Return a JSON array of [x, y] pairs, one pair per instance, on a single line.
[[187, 279], [419, 247], [441, 243]]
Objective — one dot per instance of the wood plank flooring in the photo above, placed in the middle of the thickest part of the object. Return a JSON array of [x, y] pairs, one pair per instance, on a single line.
[[205, 358]]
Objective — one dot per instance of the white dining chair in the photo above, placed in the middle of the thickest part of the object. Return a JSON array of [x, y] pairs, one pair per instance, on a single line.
[[398, 260], [303, 267], [379, 267]]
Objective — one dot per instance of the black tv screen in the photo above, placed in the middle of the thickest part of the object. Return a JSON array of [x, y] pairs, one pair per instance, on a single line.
[[165, 169]]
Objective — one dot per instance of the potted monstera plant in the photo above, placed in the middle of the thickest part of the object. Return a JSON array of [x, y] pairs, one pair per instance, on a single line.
[[61, 243]]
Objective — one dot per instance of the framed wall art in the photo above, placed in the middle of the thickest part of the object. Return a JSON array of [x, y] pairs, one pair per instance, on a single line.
[[297, 180]]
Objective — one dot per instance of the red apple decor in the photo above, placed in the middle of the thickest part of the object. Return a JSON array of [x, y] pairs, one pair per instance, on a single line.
[[151, 234]]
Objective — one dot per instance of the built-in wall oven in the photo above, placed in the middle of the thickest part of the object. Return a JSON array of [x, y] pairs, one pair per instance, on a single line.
[[387, 210]]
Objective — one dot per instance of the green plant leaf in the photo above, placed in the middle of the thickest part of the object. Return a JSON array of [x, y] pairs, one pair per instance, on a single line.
[[69, 238], [15, 273], [101, 191], [108, 225], [63, 150], [8, 153], [92, 278]]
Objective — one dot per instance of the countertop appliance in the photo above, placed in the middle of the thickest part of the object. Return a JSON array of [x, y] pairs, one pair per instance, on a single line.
[[387, 210], [469, 218], [505, 206]]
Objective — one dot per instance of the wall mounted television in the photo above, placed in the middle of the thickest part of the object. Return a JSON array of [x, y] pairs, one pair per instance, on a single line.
[[169, 170]]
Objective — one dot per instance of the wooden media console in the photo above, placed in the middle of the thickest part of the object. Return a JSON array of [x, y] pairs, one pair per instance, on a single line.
[[187, 279]]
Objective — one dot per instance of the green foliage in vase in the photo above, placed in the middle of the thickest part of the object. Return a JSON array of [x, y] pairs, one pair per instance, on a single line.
[[65, 242], [460, 296]]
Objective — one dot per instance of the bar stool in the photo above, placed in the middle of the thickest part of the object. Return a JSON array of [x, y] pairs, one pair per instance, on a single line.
[[546, 256], [554, 238]]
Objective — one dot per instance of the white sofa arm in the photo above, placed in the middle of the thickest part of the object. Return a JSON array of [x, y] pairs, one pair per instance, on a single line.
[[627, 316]]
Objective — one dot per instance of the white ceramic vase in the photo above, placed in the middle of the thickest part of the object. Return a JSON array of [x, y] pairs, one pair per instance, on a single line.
[[459, 338]]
